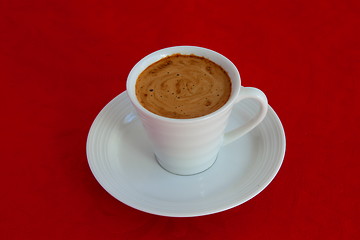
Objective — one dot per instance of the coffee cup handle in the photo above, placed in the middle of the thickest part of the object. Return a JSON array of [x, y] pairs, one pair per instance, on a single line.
[[260, 97]]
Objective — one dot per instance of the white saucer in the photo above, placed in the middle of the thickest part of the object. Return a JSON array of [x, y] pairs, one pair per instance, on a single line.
[[121, 160]]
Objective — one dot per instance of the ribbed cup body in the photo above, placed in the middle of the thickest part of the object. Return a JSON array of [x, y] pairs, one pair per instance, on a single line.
[[185, 147]]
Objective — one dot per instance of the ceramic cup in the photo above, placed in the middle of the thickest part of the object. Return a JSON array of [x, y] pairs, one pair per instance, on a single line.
[[190, 146]]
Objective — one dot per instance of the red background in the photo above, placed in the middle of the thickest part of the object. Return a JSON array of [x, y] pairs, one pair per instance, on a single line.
[[62, 61]]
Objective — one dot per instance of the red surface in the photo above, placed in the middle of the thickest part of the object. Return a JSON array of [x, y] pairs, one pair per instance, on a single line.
[[62, 61]]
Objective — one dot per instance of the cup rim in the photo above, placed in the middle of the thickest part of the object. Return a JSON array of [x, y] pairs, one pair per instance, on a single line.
[[140, 66]]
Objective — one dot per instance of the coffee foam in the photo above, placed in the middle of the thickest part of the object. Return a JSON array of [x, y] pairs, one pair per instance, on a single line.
[[183, 86]]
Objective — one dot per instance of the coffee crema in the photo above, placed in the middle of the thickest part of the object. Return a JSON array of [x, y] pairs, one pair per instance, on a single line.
[[183, 86]]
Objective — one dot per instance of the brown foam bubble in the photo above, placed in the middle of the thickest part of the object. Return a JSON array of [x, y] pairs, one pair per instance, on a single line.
[[183, 86]]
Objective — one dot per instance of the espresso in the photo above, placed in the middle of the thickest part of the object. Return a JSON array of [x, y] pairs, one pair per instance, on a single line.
[[183, 86]]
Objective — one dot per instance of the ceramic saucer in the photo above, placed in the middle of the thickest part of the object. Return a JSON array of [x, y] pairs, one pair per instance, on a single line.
[[121, 160]]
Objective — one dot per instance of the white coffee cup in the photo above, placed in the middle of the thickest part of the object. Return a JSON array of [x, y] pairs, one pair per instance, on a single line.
[[190, 146]]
